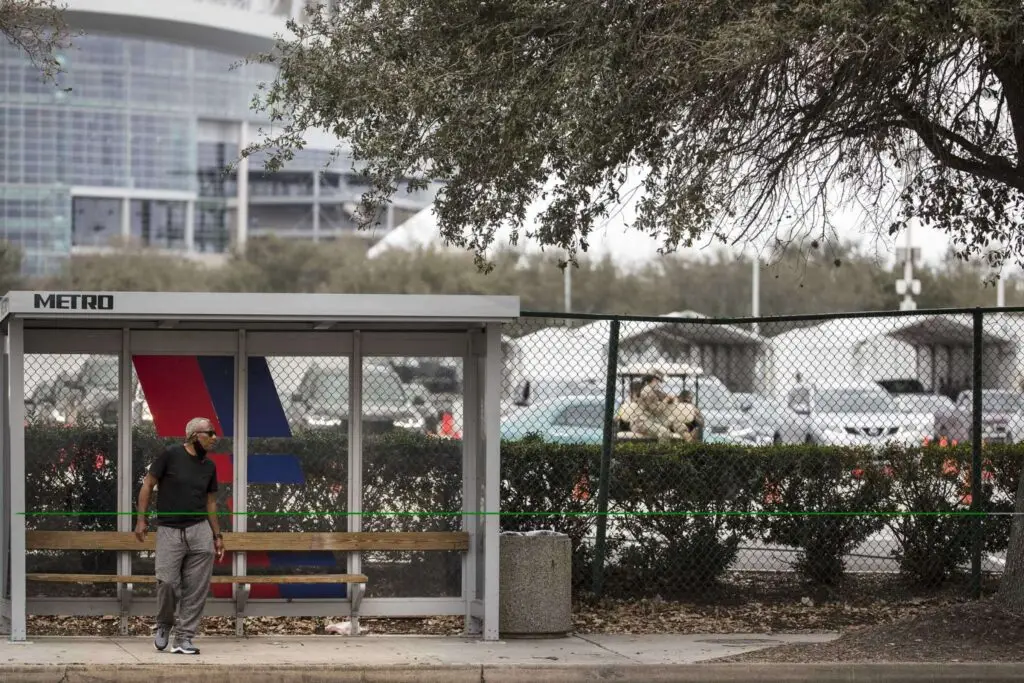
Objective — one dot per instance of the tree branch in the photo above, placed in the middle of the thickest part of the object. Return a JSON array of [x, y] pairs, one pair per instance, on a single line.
[[984, 164]]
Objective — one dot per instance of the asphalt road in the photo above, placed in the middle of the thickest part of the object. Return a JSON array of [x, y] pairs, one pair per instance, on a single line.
[[876, 555]]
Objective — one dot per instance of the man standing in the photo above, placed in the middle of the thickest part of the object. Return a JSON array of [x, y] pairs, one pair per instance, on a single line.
[[185, 542]]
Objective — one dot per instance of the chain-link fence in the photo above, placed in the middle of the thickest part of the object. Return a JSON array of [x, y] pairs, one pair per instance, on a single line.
[[683, 452], [680, 454]]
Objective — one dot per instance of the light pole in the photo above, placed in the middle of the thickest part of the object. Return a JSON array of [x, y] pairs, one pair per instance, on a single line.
[[567, 284], [908, 287], [755, 290]]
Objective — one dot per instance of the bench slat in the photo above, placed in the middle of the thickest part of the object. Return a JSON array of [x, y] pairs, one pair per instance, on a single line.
[[283, 541], [258, 578]]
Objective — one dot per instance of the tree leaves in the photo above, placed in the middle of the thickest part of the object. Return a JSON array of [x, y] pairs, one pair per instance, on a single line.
[[37, 28], [742, 115]]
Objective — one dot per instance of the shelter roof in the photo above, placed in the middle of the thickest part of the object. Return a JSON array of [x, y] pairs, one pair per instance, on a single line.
[[215, 310]]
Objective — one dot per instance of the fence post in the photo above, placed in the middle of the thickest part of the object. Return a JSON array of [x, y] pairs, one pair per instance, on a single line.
[[976, 407], [606, 456]]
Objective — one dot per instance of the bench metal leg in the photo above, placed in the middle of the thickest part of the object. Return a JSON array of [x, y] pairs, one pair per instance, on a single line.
[[126, 604], [356, 590], [241, 599]]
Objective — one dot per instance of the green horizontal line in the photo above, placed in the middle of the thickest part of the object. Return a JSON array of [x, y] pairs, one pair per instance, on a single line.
[[701, 513]]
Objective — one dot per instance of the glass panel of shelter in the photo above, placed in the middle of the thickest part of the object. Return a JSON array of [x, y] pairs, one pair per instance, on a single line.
[[71, 454], [298, 465], [412, 468], [168, 390]]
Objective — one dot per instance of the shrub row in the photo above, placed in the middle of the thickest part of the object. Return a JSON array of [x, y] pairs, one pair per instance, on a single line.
[[678, 513]]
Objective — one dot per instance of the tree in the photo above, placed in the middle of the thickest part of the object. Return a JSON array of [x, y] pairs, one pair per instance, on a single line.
[[742, 115], [135, 270], [37, 28], [10, 267]]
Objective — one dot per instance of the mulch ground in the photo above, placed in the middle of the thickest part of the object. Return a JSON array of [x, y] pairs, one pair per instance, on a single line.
[[881, 620], [981, 631]]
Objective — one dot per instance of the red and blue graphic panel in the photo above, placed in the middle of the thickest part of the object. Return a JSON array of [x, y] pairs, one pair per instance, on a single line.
[[178, 388]]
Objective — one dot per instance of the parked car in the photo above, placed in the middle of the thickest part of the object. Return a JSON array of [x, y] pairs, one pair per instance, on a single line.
[[564, 419], [577, 419], [942, 409], [321, 399], [772, 421], [87, 391], [856, 414], [1002, 416]]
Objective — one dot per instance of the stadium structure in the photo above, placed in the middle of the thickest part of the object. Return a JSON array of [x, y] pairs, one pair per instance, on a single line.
[[135, 151]]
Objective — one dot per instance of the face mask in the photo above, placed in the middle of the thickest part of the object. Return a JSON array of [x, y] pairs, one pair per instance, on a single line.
[[200, 451]]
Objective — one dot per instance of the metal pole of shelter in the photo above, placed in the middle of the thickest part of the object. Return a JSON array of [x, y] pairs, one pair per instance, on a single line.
[[492, 480], [5, 487], [19, 623], [470, 474], [125, 485], [240, 458], [354, 591]]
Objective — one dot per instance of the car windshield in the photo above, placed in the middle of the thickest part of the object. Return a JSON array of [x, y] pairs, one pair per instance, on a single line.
[[327, 386], [709, 392], [914, 403], [381, 385], [1002, 401], [330, 386], [534, 391], [854, 401], [100, 372]]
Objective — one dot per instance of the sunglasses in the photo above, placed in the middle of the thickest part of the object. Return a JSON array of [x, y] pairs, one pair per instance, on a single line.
[[209, 432]]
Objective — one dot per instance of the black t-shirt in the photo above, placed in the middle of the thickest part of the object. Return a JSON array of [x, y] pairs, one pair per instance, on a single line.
[[184, 481]]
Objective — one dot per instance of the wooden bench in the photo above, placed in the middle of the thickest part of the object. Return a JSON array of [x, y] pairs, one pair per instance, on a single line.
[[250, 541]]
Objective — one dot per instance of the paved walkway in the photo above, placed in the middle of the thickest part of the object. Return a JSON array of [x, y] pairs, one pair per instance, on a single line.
[[384, 650], [424, 659]]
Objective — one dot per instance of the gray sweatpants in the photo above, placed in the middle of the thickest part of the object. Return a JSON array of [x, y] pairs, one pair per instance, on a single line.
[[184, 565]]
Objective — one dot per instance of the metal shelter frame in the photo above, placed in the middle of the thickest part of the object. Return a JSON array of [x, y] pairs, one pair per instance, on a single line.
[[240, 326]]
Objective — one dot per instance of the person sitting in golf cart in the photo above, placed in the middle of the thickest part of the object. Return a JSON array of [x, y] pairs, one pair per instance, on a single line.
[[656, 407], [685, 417]]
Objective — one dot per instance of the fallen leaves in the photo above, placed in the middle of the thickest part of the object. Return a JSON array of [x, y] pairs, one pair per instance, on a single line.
[[748, 603]]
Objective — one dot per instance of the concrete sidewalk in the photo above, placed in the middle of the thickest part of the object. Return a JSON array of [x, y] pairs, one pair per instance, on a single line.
[[447, 659]]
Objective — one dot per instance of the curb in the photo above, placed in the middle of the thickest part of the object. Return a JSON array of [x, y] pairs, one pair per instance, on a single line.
[[677, 673]]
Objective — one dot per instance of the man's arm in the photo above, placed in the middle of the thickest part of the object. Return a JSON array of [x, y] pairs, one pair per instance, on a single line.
[[148, 484], [153, 476], [211, 515]]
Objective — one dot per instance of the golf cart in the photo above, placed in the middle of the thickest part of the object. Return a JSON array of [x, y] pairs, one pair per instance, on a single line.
[[634, 372]]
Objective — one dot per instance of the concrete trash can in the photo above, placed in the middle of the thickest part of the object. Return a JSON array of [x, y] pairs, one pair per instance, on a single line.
[[536, 585]]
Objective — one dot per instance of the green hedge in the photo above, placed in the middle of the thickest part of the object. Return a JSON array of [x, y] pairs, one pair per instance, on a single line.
[[734, 496]]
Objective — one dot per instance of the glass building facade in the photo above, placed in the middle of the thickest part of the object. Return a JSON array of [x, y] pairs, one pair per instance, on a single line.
[[135, 152]]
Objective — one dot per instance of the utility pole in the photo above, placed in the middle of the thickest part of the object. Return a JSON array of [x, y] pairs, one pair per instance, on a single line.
[[755, 291], [908, 287], [567, 284], [1001, 285]]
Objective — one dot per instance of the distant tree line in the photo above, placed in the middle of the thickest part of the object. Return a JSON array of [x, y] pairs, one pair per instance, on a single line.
[[716, 285]]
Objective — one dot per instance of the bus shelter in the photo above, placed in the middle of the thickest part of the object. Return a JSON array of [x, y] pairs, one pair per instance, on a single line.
[[332, 465]]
